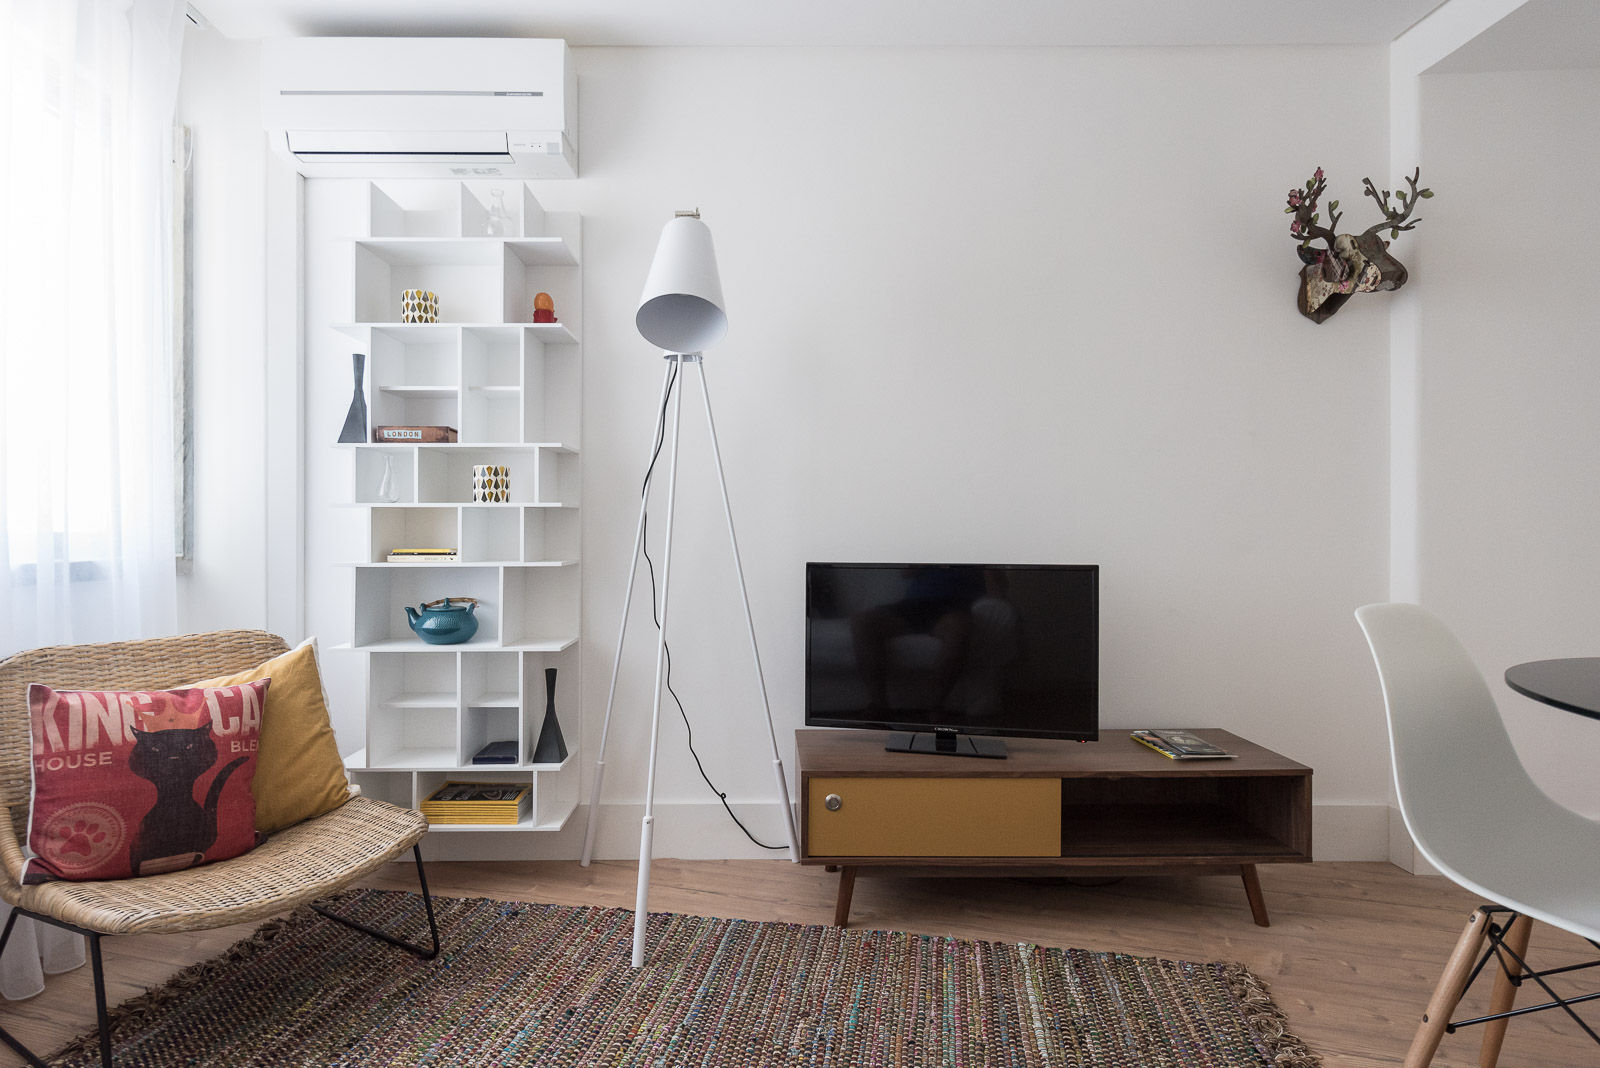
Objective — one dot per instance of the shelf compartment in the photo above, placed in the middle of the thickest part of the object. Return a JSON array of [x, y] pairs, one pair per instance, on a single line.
[[411, 737], [558, 481], [419, 354], [467, 275], [525, 276], [490, 534], [383, 594], [477, 202], [369, 471], [412, 210], [415, 406], [541, 602], [445, 472], [482, 724], [491, 408], [555, 795], [567, 699], [417, 527], [400, 680], [552, 408], [1215, 817], [550, 534], [394, 787], [1170, 832]]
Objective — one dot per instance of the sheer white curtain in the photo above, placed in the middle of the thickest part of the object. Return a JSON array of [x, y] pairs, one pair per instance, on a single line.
[[87, 92]]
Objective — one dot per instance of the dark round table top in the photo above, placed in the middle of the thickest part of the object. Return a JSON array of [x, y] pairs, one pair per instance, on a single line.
[[1572, 683]]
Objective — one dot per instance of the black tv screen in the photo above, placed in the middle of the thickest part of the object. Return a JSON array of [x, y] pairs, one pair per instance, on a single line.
[[1004, 649]]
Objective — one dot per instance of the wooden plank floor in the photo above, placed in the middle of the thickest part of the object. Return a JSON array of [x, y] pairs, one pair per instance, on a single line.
[[1352, 955]]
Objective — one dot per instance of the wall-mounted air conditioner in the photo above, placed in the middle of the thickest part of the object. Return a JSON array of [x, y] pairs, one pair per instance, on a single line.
[[422, 107]]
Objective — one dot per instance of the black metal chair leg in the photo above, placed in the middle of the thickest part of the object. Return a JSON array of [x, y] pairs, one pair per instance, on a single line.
[[382, 936], [100, 1001], [5, 1036]]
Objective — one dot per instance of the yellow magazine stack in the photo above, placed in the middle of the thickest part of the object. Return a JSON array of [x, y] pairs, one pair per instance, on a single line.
[[501, 803]]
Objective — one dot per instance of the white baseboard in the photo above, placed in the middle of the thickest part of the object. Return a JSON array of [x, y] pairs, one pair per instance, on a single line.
[[1403, 852], [703, 832]]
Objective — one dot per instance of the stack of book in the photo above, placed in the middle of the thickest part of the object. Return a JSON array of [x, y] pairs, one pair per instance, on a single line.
[[423, 556], [478, 803], [1181, 745]]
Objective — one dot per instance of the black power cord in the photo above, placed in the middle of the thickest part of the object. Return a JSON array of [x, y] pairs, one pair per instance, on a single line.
[[644, 545]]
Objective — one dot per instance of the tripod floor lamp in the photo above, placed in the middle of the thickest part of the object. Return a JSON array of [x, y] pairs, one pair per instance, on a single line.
[[681, 312]]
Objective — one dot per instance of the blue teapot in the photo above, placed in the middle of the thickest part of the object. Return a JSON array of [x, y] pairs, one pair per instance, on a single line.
[[446, 622]]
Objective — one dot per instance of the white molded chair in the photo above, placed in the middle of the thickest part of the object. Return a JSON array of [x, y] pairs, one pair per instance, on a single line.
[[1476, 815]]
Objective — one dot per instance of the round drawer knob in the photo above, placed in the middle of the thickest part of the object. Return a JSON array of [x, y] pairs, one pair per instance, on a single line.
[[833, 802]]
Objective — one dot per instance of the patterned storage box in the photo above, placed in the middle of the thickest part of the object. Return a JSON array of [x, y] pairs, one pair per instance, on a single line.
[[419, 306], [491, 483]]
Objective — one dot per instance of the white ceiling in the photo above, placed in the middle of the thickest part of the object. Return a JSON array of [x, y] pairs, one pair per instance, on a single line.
[[1540, 35], [835, 22]]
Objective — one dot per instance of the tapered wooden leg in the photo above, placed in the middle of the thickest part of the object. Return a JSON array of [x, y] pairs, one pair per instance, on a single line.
[[1252, 890], [1505, 992], [847, 888], [1448, 993]]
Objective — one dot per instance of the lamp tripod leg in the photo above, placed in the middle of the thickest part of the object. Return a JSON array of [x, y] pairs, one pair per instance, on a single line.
[[622, 631], [646, 829], [750, 625]]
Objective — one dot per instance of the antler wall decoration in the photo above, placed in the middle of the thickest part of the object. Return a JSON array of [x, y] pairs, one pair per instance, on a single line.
[[1351, 263]]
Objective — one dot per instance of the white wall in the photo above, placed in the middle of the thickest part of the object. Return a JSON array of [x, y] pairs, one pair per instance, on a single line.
[[1015, 305], [1507, 381], [217, 98]]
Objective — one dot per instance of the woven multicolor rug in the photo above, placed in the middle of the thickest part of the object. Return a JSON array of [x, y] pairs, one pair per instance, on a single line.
[[546, 985]]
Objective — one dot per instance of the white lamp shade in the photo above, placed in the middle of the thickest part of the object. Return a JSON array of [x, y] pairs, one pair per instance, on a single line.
[[681, 307]]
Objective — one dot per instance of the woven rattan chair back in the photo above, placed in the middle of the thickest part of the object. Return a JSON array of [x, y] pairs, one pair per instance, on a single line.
[[151, 664]]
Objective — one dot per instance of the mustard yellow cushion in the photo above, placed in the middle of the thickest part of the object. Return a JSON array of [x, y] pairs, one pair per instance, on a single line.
[[298, 771]]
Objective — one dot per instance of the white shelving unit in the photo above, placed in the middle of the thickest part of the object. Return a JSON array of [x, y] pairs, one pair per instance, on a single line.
[[513, 389]]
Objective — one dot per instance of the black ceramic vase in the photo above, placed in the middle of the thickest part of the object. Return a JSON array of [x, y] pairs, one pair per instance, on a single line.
[[552, 748], [355, 423]]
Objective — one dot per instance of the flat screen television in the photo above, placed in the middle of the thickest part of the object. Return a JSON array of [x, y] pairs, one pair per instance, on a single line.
[[952, 655]]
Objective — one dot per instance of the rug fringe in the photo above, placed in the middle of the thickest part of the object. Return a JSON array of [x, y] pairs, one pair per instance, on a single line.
[[1267, 1020]]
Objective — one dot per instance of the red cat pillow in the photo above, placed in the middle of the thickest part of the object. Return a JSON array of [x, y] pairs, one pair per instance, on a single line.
[[141, 782]]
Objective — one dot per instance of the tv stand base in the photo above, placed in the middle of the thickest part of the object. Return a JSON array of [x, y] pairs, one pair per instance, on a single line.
[[941, 743]]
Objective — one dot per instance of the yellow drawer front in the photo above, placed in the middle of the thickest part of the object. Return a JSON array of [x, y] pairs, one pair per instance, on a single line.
[[935, 818]]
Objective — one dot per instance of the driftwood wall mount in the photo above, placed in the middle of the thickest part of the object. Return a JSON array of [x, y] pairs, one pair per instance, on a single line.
[[1349, 263]]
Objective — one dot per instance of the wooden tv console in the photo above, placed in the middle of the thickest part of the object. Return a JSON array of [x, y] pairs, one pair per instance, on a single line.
[[1052, 808]]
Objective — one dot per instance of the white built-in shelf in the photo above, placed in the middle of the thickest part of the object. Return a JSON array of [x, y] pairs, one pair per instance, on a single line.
[[420, 759], [357, 761], [554, 644], [470, 251], [513, 390], [459, 564], [440, 333], [423, 392], [526, 825], [423, 700], [482, 446]]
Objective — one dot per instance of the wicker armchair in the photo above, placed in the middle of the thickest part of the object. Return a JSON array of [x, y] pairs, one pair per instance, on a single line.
[[296, 866]]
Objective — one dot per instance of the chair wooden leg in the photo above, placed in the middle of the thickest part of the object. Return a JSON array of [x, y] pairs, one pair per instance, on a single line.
[[1452, 984], [1505, 991]]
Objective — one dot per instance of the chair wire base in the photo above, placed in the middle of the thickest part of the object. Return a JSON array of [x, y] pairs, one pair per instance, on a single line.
[[103, 1016], [1506, 957]]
